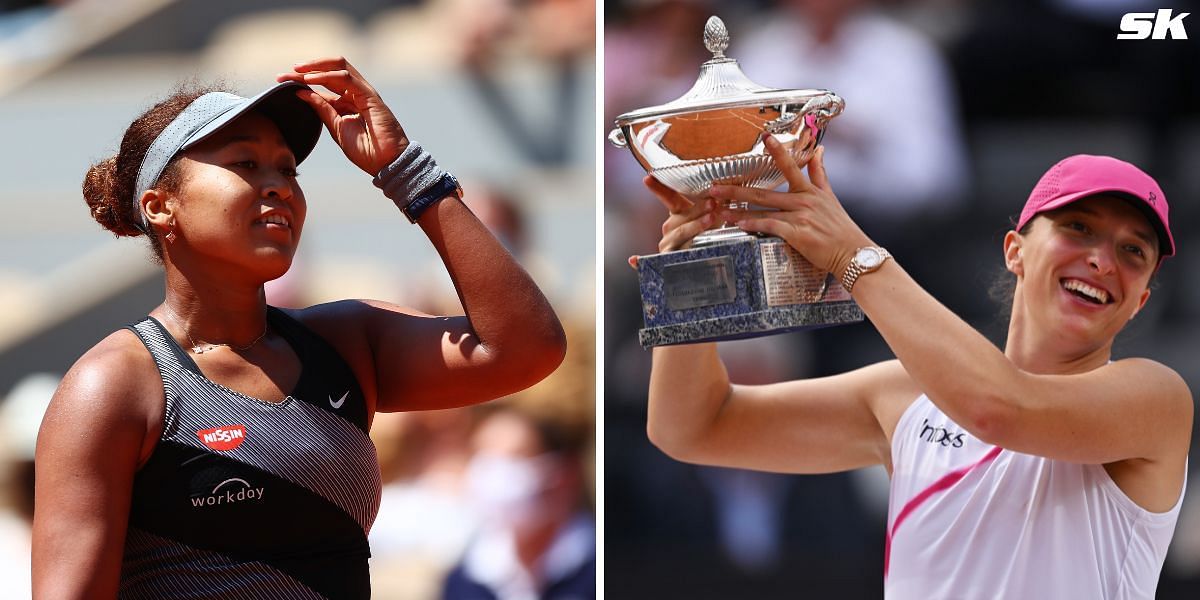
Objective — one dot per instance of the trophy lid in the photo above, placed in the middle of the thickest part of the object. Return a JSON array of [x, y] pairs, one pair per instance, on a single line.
[[721, 84]]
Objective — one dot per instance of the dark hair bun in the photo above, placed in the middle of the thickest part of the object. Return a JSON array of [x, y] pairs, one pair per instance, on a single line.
[[100, 190], [109, 185]]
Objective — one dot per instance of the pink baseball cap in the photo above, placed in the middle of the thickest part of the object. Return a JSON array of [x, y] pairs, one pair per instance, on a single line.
[[1084, 175]]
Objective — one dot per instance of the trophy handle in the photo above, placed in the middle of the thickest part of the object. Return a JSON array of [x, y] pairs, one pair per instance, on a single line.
[[616, 137], [824, 108], [782, 124]]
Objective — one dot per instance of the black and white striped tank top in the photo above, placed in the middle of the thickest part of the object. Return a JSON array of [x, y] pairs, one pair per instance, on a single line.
[[244, 498]]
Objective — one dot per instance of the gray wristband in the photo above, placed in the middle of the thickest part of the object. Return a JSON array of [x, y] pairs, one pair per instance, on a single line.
[[410, 176]]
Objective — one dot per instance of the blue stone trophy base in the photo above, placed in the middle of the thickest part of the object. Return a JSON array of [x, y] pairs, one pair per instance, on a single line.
[[740, 286]]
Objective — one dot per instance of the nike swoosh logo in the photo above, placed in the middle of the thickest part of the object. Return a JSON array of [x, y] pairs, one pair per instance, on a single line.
[[340, 401]]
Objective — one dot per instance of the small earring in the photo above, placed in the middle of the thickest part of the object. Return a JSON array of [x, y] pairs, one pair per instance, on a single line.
[[171, 233]]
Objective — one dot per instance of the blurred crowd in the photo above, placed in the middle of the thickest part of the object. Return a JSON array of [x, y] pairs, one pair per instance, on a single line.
[[953, 110], [494, 501]]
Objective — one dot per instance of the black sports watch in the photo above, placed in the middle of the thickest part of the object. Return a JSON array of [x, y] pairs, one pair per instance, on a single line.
[[446, 186]]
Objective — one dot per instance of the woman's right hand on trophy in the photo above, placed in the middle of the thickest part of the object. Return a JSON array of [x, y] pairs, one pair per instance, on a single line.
[[685, 220], [808, 215]]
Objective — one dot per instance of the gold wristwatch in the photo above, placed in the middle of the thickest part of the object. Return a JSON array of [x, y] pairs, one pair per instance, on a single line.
[[866, 259]]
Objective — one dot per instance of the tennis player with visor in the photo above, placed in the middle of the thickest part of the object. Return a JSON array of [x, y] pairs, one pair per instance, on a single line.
[[218, 448]]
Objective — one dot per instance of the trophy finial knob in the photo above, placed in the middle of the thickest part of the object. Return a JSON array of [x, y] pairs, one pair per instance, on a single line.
[[716, 36]]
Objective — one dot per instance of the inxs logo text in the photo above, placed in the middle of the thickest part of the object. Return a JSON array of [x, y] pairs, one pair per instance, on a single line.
[[940, 435], [1156, 26]]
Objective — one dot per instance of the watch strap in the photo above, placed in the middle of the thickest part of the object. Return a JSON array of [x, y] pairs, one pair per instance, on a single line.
[[856, 270], [414, 181], [445, 187]]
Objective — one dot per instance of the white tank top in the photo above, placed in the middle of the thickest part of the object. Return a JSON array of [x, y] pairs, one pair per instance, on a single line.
[[968, 520]]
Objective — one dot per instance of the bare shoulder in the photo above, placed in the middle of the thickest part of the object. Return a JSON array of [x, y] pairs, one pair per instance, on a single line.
[[1165, 391], [1157, 373], [114, 385], [101, 426], [1156, 482], [330, 320], [119, 369], [346, 326], [342, 323], [338, 316]]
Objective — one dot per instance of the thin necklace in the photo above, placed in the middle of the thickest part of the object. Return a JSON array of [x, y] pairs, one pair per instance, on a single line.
[[209, 346]]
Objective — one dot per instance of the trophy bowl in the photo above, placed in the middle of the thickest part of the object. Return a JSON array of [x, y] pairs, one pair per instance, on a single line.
[[729, 284], [715, 133]]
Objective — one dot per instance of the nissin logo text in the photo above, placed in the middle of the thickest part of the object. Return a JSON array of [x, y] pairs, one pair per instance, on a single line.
[[1156, 26], [223, 438]]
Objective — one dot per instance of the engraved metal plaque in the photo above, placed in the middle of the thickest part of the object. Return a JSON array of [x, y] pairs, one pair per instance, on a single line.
[[789, 277], [699, 283]]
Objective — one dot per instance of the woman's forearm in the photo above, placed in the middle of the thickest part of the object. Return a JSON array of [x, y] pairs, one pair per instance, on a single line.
[[508, 312], [688, 388]]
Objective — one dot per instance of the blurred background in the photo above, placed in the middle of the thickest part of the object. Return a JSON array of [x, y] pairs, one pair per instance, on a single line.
[[501, 91], [954, 109]]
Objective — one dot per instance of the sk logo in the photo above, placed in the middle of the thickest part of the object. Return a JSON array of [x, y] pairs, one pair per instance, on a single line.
[[1156, 26]]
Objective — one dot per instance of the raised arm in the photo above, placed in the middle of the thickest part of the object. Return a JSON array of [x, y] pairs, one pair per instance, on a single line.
[[1129, 409], [810, 426], [92, 438], [820, 425], [509, 338]]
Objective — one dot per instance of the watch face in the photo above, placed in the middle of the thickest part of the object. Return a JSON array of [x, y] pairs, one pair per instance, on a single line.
[[868, 258]]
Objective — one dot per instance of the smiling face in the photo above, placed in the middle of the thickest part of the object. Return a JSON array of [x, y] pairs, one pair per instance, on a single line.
[[239, 202], [1083, 270]]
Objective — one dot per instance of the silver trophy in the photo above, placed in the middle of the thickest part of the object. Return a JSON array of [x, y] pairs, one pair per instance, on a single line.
[[730, 284]]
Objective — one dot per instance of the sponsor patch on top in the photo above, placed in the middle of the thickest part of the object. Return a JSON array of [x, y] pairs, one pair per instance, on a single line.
[[223, 438]]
